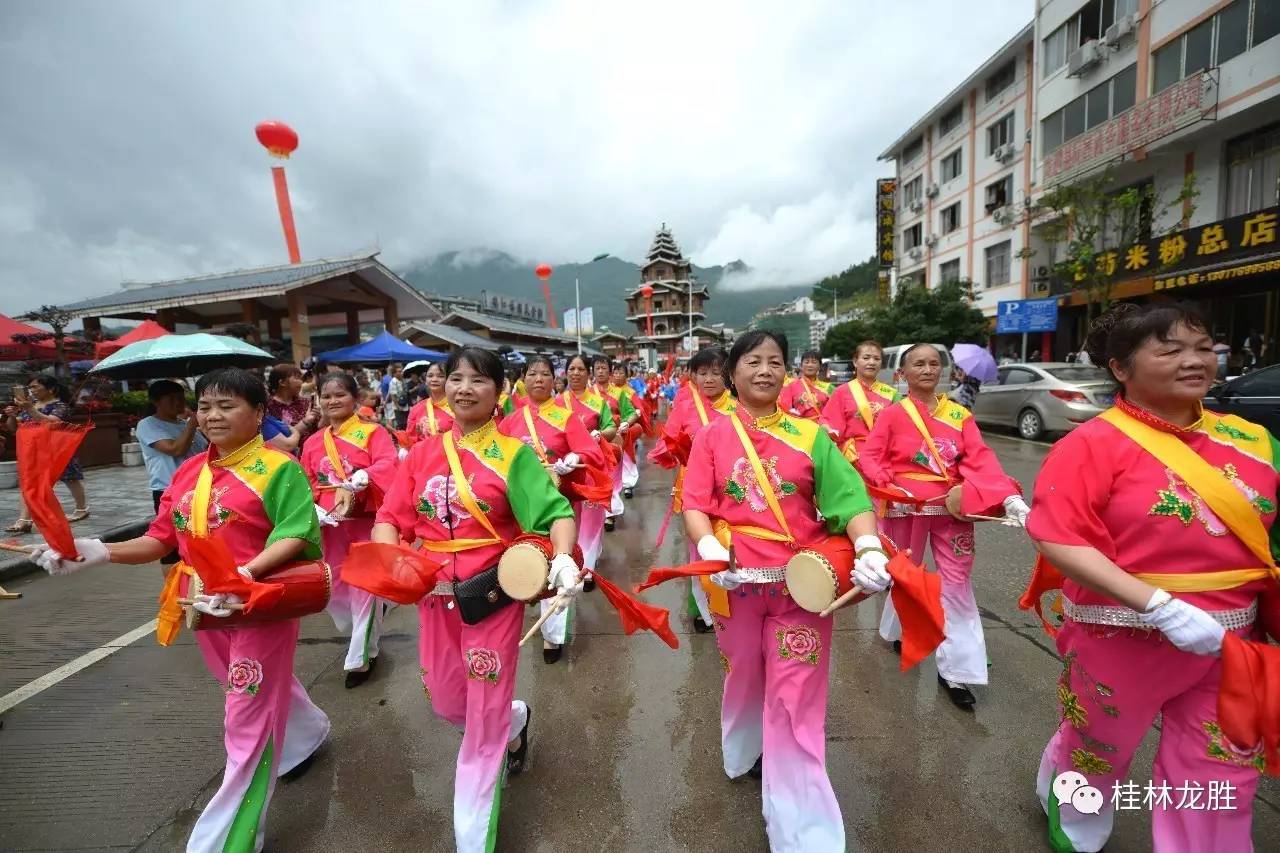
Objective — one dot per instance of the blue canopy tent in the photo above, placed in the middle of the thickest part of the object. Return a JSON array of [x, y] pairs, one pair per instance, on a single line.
[[383, 349]]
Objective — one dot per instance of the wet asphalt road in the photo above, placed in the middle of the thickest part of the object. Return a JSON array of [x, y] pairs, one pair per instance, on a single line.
[[625, 741]]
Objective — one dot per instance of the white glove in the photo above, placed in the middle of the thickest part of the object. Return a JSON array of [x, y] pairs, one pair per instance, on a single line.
[[564, 578], [1016, 508], [595, 433], [357, 482], [92, 553], [216, 604], [869, 568], [727, 580], [403, 454], [326, 520], [246, 574], [709, 548], [1185, 625], [566, 464]]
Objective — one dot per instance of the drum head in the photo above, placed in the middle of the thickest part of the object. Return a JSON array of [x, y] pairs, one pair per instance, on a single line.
[[811, 580], [194, 587], [523, 571]]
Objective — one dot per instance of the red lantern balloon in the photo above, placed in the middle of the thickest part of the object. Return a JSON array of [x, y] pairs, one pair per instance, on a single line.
[[277, 137], [646, 291], [543, 271]]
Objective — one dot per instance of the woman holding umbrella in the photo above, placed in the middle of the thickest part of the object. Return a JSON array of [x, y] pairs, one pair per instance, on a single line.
[[973, 366]]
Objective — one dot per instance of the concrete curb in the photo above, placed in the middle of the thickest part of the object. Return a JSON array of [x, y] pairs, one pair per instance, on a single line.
[[22, 566]]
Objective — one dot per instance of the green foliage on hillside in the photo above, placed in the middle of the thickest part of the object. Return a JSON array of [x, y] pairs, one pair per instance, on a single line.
[[943, 315], [859, 278]]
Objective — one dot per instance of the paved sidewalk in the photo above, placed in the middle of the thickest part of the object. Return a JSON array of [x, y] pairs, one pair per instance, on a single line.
[[119, 500]]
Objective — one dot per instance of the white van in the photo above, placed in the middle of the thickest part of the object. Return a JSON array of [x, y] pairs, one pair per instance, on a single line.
[[893, 360]]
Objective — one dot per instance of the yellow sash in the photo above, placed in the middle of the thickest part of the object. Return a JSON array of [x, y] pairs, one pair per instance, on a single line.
[[533, 434], [468, 501], [1214, 489], [766, 487], [1203, 581], [928, 441], [699, 405], [810, 396], [169, 619], [864, 405], [331, 452], [431, 417]]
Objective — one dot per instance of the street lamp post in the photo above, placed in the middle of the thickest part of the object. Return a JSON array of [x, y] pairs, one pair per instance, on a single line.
[[577, 302]]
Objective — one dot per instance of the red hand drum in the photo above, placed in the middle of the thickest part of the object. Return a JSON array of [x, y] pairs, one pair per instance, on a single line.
[[525, 568], [306, 590], [819, 574]]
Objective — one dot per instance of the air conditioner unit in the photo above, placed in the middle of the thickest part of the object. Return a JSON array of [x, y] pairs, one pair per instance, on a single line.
[[931, 240], [1005, 153], [1121, 30], [914, 254], [917, 205], [931, 191], [1002, 215], [1089, 55]]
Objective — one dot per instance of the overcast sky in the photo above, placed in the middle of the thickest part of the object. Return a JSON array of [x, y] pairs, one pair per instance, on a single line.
[[552, 131]]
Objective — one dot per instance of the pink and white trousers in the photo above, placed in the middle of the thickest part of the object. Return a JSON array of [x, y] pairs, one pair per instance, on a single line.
[[1114, 683], [270, 726], [354, 611], [962, 657], [469, 674], [777, 657], [590, 521]]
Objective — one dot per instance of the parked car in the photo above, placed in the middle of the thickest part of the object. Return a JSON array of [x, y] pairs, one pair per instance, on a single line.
[[839, 371], [1044, 397], [892, 361], [1254, 396]]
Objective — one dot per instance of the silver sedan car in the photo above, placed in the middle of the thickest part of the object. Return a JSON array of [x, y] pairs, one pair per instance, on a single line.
[[1044, 397]]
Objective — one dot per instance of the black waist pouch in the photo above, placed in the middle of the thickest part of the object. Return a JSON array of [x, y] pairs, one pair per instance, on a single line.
[[479, 597]]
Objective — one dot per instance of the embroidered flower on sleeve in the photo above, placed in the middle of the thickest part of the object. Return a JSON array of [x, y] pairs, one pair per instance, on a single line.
[[483, 665], [244, 676], [799, 643]]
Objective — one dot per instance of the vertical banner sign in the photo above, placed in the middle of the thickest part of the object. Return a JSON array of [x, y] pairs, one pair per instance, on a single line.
[[570, 321], [886, 220], [587, 321], [882, 285]]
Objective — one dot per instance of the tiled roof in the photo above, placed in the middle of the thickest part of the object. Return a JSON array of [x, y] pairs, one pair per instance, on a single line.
[[511, 327], [462, 338]]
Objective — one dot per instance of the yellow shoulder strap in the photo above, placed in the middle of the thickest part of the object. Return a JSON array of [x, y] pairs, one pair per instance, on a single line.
[[431, 417], [698, 404], [533, 435], [1223, 498], [331, 451], [200, 502], [864, 405], [464, 489], [928, 437], [762, 478]]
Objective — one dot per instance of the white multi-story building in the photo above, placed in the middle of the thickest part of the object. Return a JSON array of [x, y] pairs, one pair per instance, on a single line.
[[961, 170], [1158, 91]]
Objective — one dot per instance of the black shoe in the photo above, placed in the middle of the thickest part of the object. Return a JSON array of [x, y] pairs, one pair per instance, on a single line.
[[960, 696], [628, 493], [301, 770], [608, 525], [515, 760], [757, 769], [897, 647], [589, 584], [355, 678], [551, 655], [700, 626]]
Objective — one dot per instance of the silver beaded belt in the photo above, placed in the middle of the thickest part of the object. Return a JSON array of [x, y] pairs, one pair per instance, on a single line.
[[442, 588], [1124, 617], [777, 575], [927, 509]]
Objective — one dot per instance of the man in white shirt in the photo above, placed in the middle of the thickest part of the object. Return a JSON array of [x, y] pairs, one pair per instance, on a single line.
[[168, 438]]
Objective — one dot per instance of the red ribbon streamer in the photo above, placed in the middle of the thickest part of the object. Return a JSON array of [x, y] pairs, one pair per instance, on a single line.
[[395, 572], [635, 614], [698, 568], [216, 567], [44, 450]]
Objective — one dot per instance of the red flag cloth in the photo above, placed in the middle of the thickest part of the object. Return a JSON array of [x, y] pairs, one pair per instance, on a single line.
[[216, 567], [612, 455], [697, 568], [1249, 698], [404, 438], [894, 494], [917, 597], [395, 572], [1044, 578], [629, 440], [44, 450], [672, 450], [635, 614], [598, 487]]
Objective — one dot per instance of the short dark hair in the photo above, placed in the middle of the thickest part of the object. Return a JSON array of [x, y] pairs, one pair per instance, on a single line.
[[906, 352], [586, 363], [708, 357], [164, 388], [279, 374], [1121, 331], [434, 364], [867, 343], [483, 361], [812, 353], [539, 359], [746, 344], [346, 380], [51, 384], [600, 359], [236, 382]]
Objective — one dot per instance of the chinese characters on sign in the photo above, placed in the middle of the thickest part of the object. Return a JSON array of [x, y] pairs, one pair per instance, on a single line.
[[886, 219], [1219, 251], [1139, 126]]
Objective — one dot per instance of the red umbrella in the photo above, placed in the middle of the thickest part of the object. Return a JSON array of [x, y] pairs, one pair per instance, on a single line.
[[11, 350], [146, 331]]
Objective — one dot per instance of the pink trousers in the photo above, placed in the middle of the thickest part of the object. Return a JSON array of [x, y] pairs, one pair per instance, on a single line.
[[776, 657], [354, 611], [469, 674], [962, 657], [255, 668], [590, 520], [1114, 683]]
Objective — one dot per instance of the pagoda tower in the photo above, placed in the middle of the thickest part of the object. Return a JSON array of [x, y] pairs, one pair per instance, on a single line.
[[663, 296]]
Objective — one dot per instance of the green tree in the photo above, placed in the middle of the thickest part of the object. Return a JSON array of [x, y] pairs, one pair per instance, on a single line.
[[859, 278], [1092, 221], [944, 315]]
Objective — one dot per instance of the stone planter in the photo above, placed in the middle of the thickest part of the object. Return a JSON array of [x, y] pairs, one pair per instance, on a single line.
[[131, 455], [8, 475]]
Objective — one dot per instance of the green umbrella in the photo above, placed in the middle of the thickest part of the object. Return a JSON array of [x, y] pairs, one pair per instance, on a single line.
[[180, 355]]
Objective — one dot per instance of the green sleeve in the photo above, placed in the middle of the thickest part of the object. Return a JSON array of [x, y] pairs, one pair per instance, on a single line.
[[1275, 526], [606, 416], [838, 488], [540, 502], [508, 405], [625, 407], [897, 395], [290, 507]]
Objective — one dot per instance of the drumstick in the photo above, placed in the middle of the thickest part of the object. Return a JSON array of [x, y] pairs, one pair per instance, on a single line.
[[842, 601], [555, 608], [1006, 521], [17, 549], [229, 605]]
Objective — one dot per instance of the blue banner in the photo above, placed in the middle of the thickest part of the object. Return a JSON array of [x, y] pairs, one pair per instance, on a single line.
[[1027, 315]]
